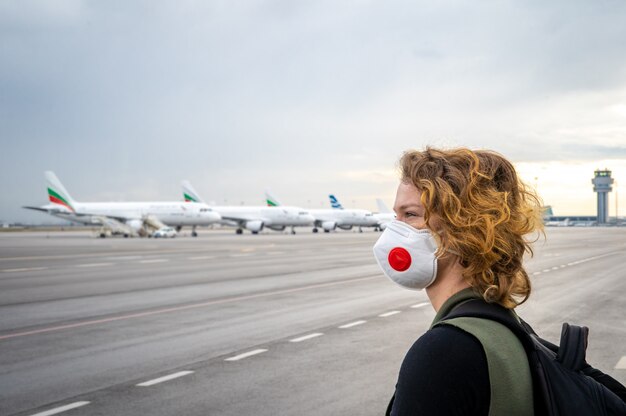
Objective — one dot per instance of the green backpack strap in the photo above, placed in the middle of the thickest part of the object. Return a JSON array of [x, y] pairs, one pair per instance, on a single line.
[[509, 374]]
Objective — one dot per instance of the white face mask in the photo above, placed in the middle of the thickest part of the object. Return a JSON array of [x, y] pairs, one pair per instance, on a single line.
[[407, 255]]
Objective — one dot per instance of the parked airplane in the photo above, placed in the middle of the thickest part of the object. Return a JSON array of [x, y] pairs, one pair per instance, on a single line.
[[255, 218], [126, 218], [384, 215], [331, 219]]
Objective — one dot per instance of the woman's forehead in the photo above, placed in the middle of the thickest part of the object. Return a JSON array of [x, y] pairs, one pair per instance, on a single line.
[[407, 195]]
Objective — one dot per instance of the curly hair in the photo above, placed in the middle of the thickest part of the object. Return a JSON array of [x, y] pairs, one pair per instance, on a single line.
[[485, 212]]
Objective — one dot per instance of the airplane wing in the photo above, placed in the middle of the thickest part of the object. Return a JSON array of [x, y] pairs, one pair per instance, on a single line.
[[38, 209], [49, 210], [234, 221]]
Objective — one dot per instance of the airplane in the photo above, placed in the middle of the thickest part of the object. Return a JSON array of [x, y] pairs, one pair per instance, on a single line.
[[255, 218], [384, 215], [331, 219], [125, 218]]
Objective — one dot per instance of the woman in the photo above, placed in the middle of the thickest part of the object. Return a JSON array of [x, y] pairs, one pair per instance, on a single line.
[[461, 218]]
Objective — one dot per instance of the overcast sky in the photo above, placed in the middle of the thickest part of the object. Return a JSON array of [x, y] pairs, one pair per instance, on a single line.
[[124, 99]]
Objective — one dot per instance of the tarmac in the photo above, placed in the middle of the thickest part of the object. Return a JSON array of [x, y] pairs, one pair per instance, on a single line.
[[267, 324]]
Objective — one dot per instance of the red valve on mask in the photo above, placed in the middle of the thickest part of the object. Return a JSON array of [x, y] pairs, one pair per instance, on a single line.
[[399, 259]]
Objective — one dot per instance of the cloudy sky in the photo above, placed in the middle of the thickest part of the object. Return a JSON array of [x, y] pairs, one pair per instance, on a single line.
[[124, 99]]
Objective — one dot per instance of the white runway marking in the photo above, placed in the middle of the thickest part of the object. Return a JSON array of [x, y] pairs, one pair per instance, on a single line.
[[555, 268], [94, 265], [386, 314], [164, 378], [245, 355], [351, 324], [26, 269], [57, 410], [536, 273], [546, 270], [201, 258], [304, 338], [420, 305], [154, 261], [621, 364], [123, 258]]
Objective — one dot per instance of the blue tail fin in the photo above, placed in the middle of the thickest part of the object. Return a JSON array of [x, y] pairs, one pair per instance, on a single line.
[[334, 202]]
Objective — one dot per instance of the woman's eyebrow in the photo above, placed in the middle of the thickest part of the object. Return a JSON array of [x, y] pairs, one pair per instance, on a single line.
[[406, 206]]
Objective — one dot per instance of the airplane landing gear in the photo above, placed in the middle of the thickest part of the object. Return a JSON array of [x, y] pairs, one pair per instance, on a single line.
[[194, 232], [239, 231], [315, 230], [293, 231]]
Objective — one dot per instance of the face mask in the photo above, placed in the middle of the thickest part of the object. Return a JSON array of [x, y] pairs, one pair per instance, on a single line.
[[407, 255]]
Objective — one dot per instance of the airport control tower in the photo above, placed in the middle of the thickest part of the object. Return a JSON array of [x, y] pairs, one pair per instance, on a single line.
[[602, 182]]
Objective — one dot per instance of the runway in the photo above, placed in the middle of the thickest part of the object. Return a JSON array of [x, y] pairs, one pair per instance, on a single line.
[[268, 324]]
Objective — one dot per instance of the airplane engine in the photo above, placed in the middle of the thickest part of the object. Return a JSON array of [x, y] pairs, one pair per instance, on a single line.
[[382, 226], [254, 226], [329, 225], [345, 227], [276, 227]]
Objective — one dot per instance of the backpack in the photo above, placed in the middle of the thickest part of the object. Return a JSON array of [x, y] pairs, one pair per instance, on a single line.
[[563, 383]]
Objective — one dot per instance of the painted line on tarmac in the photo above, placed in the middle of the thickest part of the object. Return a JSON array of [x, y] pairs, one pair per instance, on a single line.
[[352, 324], [185, 307], [306, 337], [201, 258], [25, 269], [153, 261], [390, 313], [246, 355], [61, 409], [164, 378], [621, 364], [105, 255], [420, 305], [94, 265], [574, 263]]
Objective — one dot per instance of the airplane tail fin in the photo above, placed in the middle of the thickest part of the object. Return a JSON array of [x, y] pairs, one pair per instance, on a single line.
[[271, 199], [189, 193], [334, 202], [57, 194], [382, 207]]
